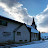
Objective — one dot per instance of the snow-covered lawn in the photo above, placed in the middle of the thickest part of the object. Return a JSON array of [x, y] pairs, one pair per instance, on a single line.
[[36, 45]]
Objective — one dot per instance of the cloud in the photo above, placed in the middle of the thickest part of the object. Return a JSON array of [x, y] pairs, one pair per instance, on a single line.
[[9, 3], [16, 10], [18, 13], [42, 20]]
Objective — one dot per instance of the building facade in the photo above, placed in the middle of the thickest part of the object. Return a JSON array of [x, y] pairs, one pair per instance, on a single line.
[[44, 36], [34, 33], [11, 30], [34, 36]]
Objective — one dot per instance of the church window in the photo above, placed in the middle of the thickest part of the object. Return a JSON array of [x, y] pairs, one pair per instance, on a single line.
[[25, 40], [18, 33], [6, 34], [2, 22], [21, 40]]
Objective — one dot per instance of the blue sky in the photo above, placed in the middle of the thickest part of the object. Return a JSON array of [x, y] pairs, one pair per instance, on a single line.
[[25, 10], [2, 12], [34, 7]]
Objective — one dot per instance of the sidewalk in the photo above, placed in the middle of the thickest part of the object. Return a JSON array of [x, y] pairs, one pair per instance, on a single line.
[[40, 45], [29, 43], [33, 42]]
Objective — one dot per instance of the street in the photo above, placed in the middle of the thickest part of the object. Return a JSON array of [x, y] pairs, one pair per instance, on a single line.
[[38, 45]]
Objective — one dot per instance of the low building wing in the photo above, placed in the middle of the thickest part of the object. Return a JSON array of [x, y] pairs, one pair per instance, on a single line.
[[34, 30]]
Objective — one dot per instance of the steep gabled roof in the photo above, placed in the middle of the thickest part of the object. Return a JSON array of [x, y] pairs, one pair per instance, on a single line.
[[32, 29], [4, 18], [17, 28]]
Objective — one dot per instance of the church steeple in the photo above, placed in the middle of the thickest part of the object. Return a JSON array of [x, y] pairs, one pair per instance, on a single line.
[[33, 24]]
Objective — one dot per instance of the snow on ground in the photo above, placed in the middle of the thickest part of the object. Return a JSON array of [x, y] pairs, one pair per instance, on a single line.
[[37, 45]]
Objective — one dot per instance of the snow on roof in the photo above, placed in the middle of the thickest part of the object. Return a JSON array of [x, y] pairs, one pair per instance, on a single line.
[[44, 34], [29, 26], [32, 29]]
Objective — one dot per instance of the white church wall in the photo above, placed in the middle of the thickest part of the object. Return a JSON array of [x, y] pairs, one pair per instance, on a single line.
[[25, 34], [9, 28]]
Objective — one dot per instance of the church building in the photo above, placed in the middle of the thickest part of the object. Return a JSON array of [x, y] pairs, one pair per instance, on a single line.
[[34, 35], [11, 30]]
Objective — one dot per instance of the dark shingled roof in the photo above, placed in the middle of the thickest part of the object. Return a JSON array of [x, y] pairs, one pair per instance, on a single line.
[[5, 18]]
